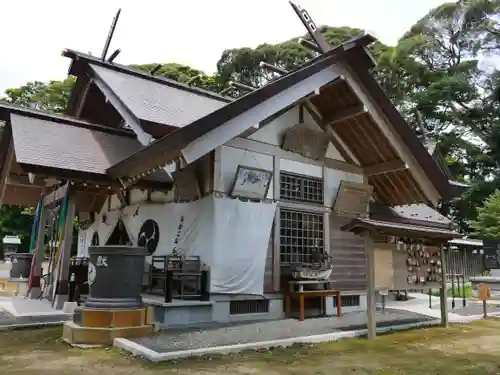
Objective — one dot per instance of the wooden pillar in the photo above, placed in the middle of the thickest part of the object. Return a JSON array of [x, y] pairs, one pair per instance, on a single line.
[[38, 254], [371, 303], [62, 273], [276, 228], [4, 172], [443, 299]]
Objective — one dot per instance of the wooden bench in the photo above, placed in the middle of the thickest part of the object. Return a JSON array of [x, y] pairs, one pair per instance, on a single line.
[[301, 295]]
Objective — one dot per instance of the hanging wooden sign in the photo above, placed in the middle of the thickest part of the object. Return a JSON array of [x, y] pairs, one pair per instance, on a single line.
[[308, 142], [352, 199]]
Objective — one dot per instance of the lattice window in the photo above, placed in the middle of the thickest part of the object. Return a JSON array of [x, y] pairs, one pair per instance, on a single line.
[[300, 234], [301, 188], [348, 301]]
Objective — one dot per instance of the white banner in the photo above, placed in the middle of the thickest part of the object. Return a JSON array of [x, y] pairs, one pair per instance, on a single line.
[[229, 235]]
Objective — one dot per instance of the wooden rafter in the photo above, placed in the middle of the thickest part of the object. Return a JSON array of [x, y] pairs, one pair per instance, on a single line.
[[386, 167], [345, 114]]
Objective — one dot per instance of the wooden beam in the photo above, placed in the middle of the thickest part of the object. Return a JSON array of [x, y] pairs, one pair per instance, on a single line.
[[83, 98], [394, 139], [344, 115], [130, 119], [371, 304], [277, 227], [4, 173], [16, 180], [387, 167], [268, 149], [55, 196], [237, 125], [443, 297]]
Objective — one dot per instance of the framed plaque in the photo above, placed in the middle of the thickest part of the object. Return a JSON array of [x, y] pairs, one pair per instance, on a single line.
[[252, 183]]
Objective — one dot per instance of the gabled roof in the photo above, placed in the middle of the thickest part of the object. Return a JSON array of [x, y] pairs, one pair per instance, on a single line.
[[152, 155], [360, 134], [156, 102], [64, 147], [150, 98]]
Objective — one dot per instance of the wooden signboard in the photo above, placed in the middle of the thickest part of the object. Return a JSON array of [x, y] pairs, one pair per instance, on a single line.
[[352, 199], [484, 292], [384, 267]]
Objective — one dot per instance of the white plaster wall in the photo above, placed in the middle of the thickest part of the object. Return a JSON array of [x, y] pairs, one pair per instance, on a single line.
[[304, 169], [274, 132], [333, 153], [232, 157], [332, 181]]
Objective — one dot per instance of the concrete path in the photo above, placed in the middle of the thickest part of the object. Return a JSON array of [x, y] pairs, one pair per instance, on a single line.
[[179, 343], [419, 303]]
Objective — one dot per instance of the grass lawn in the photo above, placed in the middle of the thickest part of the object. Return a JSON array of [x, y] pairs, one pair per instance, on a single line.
[[462, 349]]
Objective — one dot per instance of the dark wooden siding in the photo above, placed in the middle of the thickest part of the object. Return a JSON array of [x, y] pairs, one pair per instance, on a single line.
[[348, 256]]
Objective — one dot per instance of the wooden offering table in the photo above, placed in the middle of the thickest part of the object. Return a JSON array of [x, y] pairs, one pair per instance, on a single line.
[[297, 291]]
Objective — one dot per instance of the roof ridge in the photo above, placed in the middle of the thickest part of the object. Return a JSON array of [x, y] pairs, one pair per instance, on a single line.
[[75, 55]]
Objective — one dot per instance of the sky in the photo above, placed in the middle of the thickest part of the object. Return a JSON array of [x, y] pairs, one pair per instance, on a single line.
[[192, 32]]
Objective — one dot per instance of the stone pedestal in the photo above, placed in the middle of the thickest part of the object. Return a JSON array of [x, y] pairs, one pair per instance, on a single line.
[[20, 267], [101, 327], [114, 306]]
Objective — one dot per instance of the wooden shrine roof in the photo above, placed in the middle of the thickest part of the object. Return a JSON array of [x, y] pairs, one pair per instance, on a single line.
[[340, 108], [154, 100], [390, 228], [66, 148]]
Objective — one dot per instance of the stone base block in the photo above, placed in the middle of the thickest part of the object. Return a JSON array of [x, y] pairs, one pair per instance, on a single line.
[[98, 318], [77, 335]]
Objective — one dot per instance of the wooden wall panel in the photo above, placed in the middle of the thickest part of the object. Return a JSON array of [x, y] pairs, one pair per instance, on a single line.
[[348, 256], [268, 272]]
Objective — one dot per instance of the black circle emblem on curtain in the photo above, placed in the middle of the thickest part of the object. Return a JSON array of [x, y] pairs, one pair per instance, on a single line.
[[95, 239], [149, 235]]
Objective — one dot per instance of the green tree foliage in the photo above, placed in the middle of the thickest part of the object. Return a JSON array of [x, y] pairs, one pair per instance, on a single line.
[[487, 224], [52, 96], [184, 73], [434, 75]]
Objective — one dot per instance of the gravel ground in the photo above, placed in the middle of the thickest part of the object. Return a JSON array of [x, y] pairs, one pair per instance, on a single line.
[[173, 340]]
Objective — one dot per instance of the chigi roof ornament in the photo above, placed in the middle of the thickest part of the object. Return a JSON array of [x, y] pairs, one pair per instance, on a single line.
[[110, 36]]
